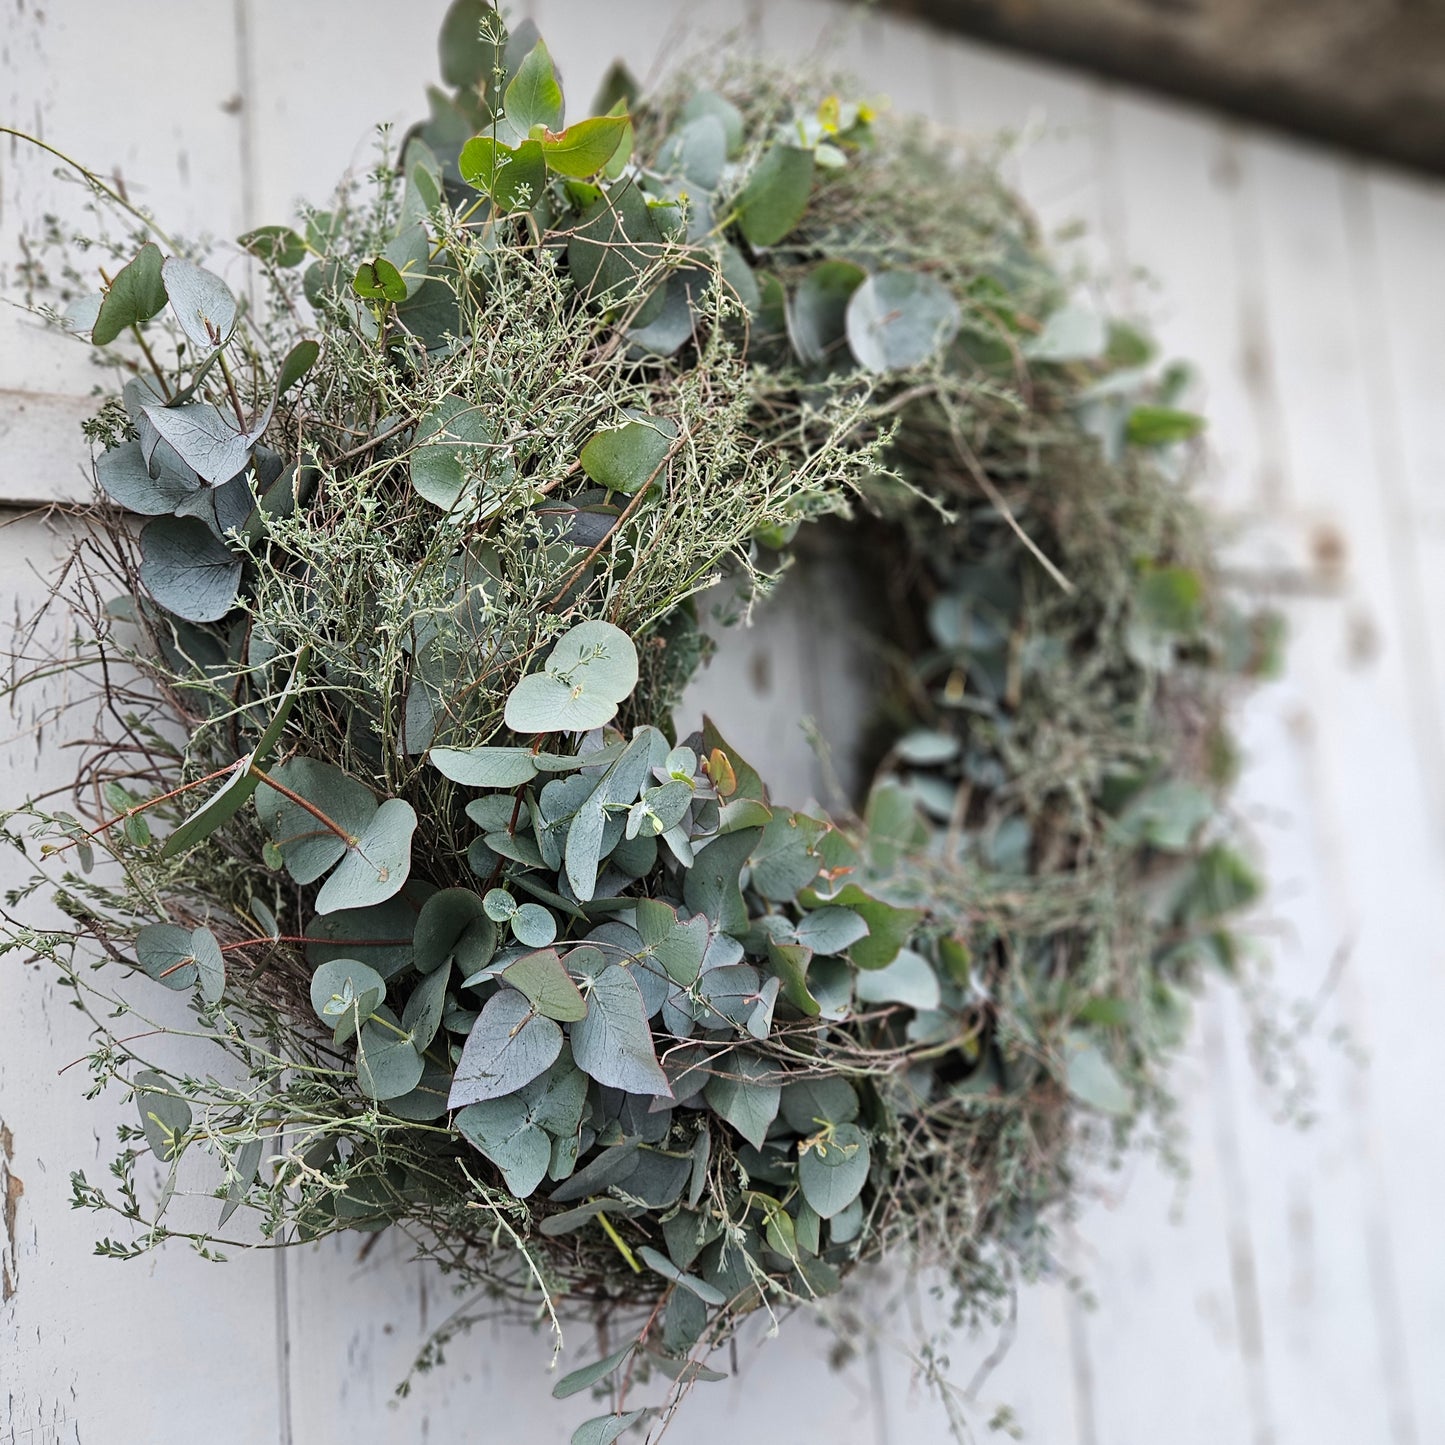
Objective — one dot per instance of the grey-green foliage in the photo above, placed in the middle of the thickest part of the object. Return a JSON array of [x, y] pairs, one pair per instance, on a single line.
[[515, 964]]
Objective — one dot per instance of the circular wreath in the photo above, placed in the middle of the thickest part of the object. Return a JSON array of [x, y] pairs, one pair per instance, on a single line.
[[390, 788]]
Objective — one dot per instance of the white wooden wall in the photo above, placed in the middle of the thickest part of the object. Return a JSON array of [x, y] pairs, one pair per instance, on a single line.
[[1293, 1293]]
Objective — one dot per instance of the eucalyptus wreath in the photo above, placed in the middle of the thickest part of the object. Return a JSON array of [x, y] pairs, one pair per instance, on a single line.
[[388, 787]]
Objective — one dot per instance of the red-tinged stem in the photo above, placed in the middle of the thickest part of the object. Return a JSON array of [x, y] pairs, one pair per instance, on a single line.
[[301, 803]]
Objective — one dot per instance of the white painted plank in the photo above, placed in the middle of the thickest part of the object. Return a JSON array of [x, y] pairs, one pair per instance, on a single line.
[[145, 94], [90, 1348]]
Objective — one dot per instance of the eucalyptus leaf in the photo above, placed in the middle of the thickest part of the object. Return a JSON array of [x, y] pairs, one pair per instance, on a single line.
[[910, 979], [817, 314], [776, 194], [151, 490], [203, 439], [509, 1045], [532, 97], [1092, 1079], [900, 319], [135, 295], [167, 954], [543, 979], [589, 1375], [833, 1168], [187, 570], [626, 458], [613, 1043], [746, 1090], [376, 864], [388, 1066], [589, 671], [679, 945], [165, 1117], [585, 146], [486, 767], [501, 1129], [604, 1429], [202, 302]]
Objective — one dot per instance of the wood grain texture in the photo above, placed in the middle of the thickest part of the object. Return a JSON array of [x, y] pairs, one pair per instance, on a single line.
[[1291, 1291]]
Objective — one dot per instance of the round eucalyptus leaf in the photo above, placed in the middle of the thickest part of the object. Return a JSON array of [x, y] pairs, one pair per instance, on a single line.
[[429, 1099], [210, 964], [455, 454], [776, 194], [898, 319], [202, 302], [543, 979], [626, 458], [589, 671], [533, 925], [167, 953], [832, 1171], [502, 1130], [152, 491], [387, 1064], [454, 925], [818, 313], [500, 906], [188, 570], [202, 438], [376, 865], [344, 987]]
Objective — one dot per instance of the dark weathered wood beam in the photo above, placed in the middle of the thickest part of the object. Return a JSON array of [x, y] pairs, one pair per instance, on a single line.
[[1365, 74]]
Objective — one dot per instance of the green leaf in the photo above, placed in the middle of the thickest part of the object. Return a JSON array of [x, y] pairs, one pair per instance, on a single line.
[[1170, 599], [624, 459], [422, 1016], [203, 439], [711, 885], [817, 315], [387, 1065], [297, 365], [279, 245], [468, 44], [152, 491], [345, 993], [308, 847], [586, 146], [1165, 815], [202, 302], [659, 1263], [136, 294], [831, 930], [454, 926], [513, 177], [533, 97], [455, 454], [615, 241], [746, 1090], [776, 194], [709, 102], [783, 862], [509, 1045], [677, 944], [579, 1380], [502, 1130], [790, 963], [167, 954], [589, 671], [1091, 1078], [164, 1117], [899, 319], [188, 570], [909, 980], [378, 280], [210, 964], [410, 252], [1157, 426], [889, 927], [809, 1103], [697, 151], [533, 926], [832, 1171], [543, 979], [606, 1428], [485, 767], [613, 1043], [1072, 333], [376, 865], [382, 936], [232, 795]]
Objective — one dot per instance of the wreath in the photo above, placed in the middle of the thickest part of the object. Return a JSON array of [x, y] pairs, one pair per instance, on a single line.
[[389, 790]]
